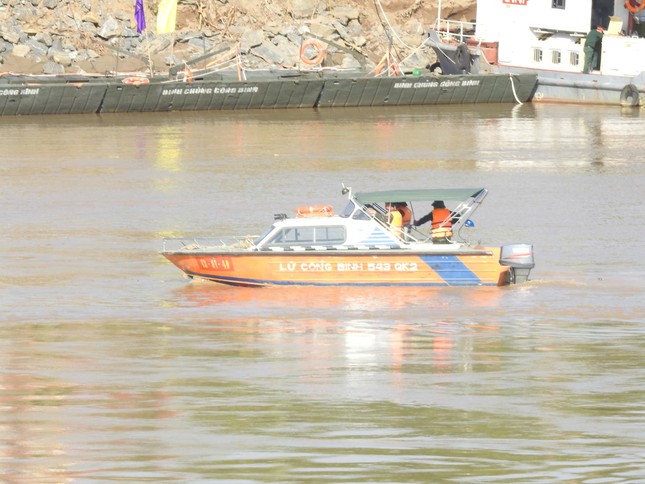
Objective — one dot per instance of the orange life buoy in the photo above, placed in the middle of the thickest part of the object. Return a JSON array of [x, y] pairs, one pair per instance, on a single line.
[[633, 6], [136, 81], [187, 75], [315, 211], [320, 55]]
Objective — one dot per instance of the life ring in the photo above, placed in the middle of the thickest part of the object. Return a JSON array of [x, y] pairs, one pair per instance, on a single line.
[[136, 81], [629, 96], [633, 6], [187, 75], [315, 211], [320, 55], [462, 56]]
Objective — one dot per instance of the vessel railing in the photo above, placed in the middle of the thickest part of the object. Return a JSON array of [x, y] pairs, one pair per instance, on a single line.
[[455, 30], [409, 234], [223, 243], [412, 234], [381, 216], [463, 211]]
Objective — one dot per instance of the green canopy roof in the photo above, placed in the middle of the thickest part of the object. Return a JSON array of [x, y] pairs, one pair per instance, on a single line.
[[452, 194]]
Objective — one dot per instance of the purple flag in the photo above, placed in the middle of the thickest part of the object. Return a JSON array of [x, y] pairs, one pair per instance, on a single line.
[[140, 16]]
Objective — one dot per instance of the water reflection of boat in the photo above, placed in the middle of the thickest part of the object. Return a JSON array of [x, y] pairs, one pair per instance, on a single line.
[[359, 247], [247, 303], [547, 39]]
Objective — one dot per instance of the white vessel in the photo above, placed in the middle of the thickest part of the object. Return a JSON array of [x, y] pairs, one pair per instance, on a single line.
[[361, 246], [547, 38]]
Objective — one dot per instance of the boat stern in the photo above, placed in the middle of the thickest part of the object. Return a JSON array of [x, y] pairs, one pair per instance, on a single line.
[[520, 260]]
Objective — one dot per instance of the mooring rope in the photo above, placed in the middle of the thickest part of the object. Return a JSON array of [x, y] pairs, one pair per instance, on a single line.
[[510, 76]]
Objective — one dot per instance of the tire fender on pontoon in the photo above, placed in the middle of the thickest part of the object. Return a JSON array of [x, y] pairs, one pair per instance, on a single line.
[[434, 67], [629, 96], [462, 57]]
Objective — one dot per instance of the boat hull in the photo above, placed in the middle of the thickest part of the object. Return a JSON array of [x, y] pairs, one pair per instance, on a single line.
[[427, 90], [552, 86], [346, 268], [579, 88], [21, 95]]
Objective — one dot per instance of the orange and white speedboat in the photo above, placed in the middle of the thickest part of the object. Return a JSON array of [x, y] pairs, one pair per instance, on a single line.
[[358, 247]]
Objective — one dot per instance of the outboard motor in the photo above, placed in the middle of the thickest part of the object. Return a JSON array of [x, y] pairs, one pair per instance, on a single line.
[[519, 257]]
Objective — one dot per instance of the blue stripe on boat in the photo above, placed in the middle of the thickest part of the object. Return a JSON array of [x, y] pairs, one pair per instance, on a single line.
[[451, 270], [378, 236]]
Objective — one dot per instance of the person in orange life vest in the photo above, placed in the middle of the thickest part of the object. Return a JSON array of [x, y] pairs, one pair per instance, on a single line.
[[441, 222], [406, 213]]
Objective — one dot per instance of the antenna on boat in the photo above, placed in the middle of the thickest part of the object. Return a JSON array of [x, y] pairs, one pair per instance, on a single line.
[[346, 190]]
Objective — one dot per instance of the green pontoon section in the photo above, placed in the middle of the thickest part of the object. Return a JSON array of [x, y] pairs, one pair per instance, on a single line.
[[84, 94]]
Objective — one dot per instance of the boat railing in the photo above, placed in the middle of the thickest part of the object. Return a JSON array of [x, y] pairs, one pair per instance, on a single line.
[[201, 243], [409, 234], [455, 30], [412, 235], [380, 216], [460, 215]]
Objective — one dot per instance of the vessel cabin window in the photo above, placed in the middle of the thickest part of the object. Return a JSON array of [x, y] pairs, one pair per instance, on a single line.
[[559, 4], [574, 58], [556, 57], [326, 235], [537, 55]]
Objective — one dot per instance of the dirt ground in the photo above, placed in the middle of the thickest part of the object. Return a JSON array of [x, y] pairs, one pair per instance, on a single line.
[[226, 19]]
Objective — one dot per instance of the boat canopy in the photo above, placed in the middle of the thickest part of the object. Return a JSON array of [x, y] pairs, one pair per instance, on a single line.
[[451, 194]]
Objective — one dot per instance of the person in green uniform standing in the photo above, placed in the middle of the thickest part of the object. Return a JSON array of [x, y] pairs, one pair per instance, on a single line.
[[592, 49]]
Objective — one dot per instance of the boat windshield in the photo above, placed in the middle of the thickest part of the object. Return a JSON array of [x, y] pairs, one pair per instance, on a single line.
[[348, 210], [360, 212], [262, 236]]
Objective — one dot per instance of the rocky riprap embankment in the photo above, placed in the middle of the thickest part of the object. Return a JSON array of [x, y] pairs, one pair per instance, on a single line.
[[92, 36]]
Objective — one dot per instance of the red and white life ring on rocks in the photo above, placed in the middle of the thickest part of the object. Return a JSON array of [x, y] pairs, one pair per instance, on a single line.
[[320, 52]]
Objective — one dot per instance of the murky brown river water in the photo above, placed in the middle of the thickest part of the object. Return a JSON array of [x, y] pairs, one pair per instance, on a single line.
[[116, 368]]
